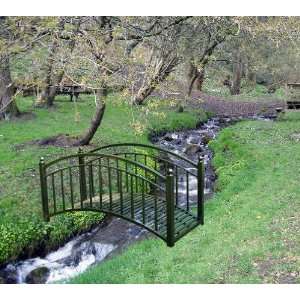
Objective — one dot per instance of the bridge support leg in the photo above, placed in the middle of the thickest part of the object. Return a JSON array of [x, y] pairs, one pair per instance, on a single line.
[[201, 182], [82, 178], [44, 191], [170, 208]]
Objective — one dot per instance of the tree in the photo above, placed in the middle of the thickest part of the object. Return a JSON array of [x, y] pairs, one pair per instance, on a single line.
[[202, 36], [8, 107], [162, 46], [62, 42], [264, 51], [110, 42], [17, 36]]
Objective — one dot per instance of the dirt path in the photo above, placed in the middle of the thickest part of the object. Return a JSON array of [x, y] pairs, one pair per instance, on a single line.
[[234, 108], [227, 108]]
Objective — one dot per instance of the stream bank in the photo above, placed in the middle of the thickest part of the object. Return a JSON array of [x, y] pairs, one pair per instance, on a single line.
[[115, 234]]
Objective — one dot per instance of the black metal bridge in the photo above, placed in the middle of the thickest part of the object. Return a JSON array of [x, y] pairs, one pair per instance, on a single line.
[[136, 182]]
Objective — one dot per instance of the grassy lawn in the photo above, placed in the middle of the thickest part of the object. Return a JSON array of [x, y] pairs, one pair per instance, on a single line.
[[22, 230], [251, 233]]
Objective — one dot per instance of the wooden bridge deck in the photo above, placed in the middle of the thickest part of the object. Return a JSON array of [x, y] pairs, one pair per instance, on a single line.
[[150, 212]]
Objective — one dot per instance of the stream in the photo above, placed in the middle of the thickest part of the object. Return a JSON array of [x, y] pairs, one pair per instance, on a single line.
[[114, 234]]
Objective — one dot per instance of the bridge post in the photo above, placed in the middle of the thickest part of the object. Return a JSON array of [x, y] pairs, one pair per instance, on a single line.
[[201, 182], [170, 208], [44, 191], [82, 178]]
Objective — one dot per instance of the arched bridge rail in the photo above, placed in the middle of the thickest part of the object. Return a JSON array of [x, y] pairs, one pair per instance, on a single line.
[[139, 183]]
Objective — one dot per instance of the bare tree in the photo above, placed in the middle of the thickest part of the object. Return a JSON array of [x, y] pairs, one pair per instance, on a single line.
[[202, 36], [60, 40], [163, 58], [8, 107], [110, 41]]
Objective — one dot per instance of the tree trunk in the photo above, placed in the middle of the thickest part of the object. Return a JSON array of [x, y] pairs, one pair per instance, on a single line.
[[143, 93], [196, 77], [48, 93], [8, 107], [237, 75], [196, 73], [200, 79], [162, 69], [86, 138]]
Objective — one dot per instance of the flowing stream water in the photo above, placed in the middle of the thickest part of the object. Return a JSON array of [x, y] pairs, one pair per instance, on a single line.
[[115, 234]]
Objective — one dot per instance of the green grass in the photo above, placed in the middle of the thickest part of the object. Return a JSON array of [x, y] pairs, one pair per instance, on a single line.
[[251, 231], [248, 92], [22, 230]]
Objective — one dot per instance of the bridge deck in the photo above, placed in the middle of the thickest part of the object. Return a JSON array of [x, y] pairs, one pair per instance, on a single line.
[[151, 212]]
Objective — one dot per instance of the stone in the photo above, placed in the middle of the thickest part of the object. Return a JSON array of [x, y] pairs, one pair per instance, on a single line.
[[9, 275], [38, 275], [192, 149], [194, 140], [168, 137], [206, 137]]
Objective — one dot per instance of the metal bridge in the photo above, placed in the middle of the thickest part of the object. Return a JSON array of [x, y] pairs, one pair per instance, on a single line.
[[143, 184]]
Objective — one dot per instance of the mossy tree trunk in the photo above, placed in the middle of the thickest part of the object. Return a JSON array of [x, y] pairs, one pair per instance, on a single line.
[[8, 106]]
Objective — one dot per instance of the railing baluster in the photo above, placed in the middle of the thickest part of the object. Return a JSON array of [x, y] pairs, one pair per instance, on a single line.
[[117, 168], [176, 185], [131, 198], [126, 180], [136, 173], [201, 182], [187, 192], [71, 188], [100, 182], [53, 193], [170, 209], [44, 190], [109, 184], [120, 190], [143, 201], [82, 179], [145, 162], [62, 189], [91, 184], [155, 211]]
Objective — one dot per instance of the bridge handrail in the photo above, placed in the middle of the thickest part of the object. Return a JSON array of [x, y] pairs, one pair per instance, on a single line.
[[88, 154], [112, 168], [157, 157], [145, 146]]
